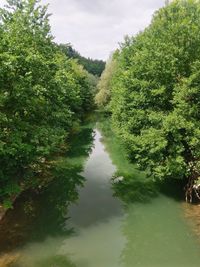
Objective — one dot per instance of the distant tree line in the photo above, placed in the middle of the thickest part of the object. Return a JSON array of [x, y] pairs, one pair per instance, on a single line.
[[154, 94], [43, 94], [93, 66]]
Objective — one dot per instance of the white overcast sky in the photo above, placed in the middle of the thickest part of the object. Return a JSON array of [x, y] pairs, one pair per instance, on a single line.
[[95, 27]]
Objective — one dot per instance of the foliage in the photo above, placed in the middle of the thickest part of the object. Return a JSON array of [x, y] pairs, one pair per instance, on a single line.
[[155, 93], [93, 66], [134, 187], [103, 96], [48, 203], [42, 94]]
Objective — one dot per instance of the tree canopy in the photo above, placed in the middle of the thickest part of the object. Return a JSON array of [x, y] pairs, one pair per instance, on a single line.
[[155, 99], [93, 66], [43, 93], [104, 85]]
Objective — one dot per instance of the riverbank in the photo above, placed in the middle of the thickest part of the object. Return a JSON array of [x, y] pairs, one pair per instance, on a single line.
[[164, 217], [140, 189], [49, 170]]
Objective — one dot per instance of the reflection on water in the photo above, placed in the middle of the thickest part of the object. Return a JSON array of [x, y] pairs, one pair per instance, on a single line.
[[36, 217], [96, 203], [153, 225], [97, 217], [97, 230]]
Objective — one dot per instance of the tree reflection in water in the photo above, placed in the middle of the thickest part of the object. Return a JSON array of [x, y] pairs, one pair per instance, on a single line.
[[38, 216]]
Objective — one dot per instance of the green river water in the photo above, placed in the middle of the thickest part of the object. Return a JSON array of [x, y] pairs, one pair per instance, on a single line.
[[98, 229]]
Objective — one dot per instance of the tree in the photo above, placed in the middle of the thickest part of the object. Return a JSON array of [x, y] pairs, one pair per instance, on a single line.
[[155, 100], [103, 96], [93, 66], [42, 94]]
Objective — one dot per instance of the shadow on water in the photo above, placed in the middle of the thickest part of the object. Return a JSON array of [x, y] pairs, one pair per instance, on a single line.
[[136, 187], [155, 232], [81, 144], [131, 189], [36, 216], [173, 189]]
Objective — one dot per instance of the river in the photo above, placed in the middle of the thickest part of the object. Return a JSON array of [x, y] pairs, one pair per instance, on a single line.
[[97, 229]]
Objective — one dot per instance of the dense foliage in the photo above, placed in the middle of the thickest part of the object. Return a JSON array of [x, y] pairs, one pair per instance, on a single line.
[[93, 66], [42, 94], [155, 94], [104, 85]]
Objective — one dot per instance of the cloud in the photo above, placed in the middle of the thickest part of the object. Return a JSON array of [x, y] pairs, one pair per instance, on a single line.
[[95, 27]]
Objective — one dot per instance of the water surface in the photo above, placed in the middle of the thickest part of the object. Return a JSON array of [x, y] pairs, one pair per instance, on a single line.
[[98, 230]]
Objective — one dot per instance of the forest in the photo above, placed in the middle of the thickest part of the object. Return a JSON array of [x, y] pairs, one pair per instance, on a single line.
[[94, 67]]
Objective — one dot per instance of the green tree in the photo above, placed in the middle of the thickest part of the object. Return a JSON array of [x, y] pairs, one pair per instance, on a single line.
[[42, 94], [104, 86], [155, 100], [93, 66]]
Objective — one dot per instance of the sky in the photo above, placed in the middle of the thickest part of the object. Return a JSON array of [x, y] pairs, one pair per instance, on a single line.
[[96, 27]]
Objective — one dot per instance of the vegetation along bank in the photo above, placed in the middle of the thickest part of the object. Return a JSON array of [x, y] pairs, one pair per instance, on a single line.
[[44, 96], [150, 88]]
